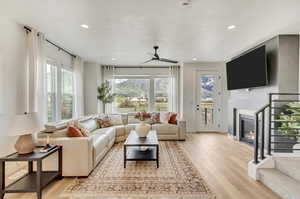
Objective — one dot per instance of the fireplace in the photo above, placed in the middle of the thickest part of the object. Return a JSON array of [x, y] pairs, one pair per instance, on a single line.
[[247, 129]]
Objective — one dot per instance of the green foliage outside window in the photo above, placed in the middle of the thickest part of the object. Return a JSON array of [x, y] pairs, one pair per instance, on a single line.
[[290, 120]]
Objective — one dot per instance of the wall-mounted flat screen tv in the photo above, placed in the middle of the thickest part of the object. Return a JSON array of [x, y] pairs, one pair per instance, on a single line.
[[248, 70]]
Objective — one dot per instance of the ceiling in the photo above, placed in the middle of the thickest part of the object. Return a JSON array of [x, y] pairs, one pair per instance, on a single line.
[[128, 29]]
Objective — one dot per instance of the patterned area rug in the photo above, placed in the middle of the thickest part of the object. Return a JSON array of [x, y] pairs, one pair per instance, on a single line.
[[177, 178]]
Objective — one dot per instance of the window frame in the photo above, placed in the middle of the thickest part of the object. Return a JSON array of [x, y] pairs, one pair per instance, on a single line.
[[61, 92], [151, 78], [55, 107]]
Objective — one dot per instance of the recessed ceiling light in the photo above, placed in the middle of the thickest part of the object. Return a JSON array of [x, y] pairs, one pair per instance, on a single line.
[[194, 59], [113, 59], [231, 27], [84, 26], [185, 2]]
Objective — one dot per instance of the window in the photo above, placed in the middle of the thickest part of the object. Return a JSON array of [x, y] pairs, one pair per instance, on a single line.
[[60, 95], [132, 95], [67, 94], [161, 94], [141, 94], [51, 80]]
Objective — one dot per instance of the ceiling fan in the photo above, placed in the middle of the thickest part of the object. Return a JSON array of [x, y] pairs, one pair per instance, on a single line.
[[157, 58]]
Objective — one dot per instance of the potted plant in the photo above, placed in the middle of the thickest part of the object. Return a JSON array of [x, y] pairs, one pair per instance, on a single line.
[[105, 94]]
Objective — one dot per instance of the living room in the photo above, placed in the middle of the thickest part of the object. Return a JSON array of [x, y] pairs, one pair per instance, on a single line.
[[148, 99]]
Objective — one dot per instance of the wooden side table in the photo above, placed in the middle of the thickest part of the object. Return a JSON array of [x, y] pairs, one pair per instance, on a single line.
[[33, 181]]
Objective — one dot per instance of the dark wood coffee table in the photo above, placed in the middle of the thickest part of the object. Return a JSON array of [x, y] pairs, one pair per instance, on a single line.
[[132, 146], [33, 181]]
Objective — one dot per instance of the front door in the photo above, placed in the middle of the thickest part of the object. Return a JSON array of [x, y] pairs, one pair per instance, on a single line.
[[208, 107]]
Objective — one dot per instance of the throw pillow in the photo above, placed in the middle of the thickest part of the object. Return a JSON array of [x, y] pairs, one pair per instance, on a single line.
[[172, 118], [155, 118], [104, 122], [164, 117], [74, 132]]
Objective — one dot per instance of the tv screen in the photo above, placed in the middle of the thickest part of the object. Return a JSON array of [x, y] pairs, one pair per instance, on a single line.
[[247, 71]]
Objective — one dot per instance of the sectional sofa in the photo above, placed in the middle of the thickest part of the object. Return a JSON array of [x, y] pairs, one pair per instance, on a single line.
[[82, 154]]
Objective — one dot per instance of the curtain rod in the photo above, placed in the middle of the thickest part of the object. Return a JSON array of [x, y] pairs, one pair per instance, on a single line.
[[59, 48], [141, 66]]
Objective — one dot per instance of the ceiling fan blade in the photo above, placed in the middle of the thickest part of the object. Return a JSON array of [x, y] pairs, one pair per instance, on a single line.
[[151, 54], [168, 60], [148, 61]]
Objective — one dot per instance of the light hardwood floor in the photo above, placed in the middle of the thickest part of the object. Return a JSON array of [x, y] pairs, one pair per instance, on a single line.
[[223, 164], [221, 161]]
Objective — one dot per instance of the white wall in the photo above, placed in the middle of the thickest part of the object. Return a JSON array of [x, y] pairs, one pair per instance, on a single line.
[[189, 95], [12, 79]]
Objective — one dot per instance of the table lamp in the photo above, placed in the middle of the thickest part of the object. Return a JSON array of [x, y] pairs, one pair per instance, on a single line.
[[24, 126]]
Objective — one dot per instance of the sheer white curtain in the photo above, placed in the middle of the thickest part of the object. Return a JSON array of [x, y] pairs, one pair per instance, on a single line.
[[78, 87], [35, 82], [108, 75], [174, 89]]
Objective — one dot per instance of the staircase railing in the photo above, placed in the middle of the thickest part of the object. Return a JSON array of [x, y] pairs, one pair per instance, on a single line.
[[261, 112], [276, 140]]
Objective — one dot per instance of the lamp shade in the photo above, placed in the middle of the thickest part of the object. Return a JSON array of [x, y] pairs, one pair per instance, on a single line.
[[25, 124]]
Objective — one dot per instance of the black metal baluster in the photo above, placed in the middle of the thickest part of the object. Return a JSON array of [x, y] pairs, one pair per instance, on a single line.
[[262, 149], [205, 115], [270, 123], [256, 139]]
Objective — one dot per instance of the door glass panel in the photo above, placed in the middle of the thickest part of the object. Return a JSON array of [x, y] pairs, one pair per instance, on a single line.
[[207, 102]]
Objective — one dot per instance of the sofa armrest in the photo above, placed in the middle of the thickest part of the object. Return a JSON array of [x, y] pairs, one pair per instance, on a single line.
[[77, 155], [182, 129]]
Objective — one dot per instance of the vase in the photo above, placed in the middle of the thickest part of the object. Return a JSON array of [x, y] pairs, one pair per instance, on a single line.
[[142, 129]]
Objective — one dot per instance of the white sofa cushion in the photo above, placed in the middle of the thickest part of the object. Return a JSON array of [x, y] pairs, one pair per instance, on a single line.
[[100, 142], [99, 133], [115, 119], [100, 147], [165, 129], [111, 133], [164, 117], [88, 126], [120, 130]]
